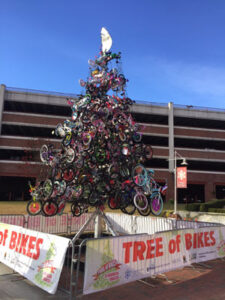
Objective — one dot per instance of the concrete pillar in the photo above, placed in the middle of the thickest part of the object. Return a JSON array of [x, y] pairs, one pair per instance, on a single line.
[[209, 195], [2, 95], [171, 136], [170, 192]]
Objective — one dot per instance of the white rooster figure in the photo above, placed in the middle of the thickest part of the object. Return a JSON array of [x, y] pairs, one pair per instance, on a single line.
[[106, 40]]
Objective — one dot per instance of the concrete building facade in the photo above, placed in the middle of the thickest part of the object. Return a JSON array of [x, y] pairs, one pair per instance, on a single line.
[[27, 118]]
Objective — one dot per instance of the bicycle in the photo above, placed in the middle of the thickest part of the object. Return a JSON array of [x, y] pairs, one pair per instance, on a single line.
[[34, 206]]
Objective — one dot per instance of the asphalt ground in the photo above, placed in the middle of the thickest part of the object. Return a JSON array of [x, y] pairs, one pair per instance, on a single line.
[[200, 281]]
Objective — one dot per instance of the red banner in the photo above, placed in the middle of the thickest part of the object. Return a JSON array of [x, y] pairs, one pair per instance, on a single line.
[[182, 177]]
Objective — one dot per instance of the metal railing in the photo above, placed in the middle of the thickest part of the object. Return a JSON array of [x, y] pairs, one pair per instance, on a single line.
[[124, 224], [66, 224], [146, 102]]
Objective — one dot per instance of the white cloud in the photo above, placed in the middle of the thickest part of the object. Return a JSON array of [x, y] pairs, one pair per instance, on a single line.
[[193, 78]]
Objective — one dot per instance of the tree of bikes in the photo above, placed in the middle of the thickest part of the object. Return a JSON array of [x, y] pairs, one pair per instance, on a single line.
[[102, 156]]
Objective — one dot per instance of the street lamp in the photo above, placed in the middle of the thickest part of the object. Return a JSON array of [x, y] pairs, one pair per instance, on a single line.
[[177, 156]]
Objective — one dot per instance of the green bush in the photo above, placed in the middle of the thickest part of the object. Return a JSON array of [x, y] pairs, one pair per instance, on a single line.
[[212, 204], [217, 210], [171, 201], [203, 207], [193, 206]]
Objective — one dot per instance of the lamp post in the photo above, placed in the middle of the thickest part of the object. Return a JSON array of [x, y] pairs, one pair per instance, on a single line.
[[177, 156]]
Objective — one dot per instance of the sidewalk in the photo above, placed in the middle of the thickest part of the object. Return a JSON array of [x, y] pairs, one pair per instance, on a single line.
[[14, 286], [201, 282]]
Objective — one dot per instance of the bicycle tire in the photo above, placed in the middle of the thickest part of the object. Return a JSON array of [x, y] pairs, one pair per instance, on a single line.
[[148, 152], [47, 188], [77, 191], [145, 212], [68, 174], [156, 204], [60, 187], [113, 204], [67, 139], [34, 207], [140, 201], [76, 209], [129, 210], [61, 207], [70, 155], [93, 199], [139, 177], [50, 208], [44, 153]]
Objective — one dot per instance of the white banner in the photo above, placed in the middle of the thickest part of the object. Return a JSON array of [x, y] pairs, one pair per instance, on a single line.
[[118, 260], [37, 256]]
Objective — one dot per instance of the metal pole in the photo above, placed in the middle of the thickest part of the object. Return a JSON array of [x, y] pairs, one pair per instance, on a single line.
[[110, 227], [175, 182], [82, 229], [98, 225]]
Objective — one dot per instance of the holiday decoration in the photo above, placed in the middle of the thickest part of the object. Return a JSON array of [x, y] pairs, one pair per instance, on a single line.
[[102, 157]]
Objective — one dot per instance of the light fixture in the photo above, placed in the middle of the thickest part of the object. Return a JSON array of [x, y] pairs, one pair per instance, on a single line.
[[184, 162]]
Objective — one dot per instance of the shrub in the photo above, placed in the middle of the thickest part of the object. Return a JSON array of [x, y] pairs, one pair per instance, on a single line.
[[193, 206], [203, 207], [217, 210], [212, 204]]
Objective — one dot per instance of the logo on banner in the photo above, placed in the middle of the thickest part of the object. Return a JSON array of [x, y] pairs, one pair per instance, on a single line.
[[221, 246], [46, 270], [182, 177], [107, 275]]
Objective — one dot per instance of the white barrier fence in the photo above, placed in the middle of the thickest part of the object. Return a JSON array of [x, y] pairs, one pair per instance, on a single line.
[[35, 255], [64, 223], [114, 261], [196, 235], [150, 225], [125, 224]]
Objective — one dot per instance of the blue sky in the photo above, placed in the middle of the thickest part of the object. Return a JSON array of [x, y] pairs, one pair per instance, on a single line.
[[172, 50]]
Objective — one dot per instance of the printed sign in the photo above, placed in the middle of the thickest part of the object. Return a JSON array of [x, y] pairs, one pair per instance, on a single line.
[[118, 260], [182, 177], [37, 256]]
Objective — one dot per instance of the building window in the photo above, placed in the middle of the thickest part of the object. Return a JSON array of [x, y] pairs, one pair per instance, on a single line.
[[220, 191], [15, 188], [194, 193]]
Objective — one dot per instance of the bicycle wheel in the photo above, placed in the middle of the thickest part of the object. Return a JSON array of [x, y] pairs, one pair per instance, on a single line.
[[139, 175], [34, 207], [79, 162], [87, 189], [124, 199], [68, 174], [47, 188], [70, 155], [50, 208], [124, 172], [93, 199], [60, 187], [61, 207], [129, 209], [67, 139], [148, 152], [156, 204], [77, 191], [113, 203], [76, 209], [140, 201], [44, 153], [145, 212]]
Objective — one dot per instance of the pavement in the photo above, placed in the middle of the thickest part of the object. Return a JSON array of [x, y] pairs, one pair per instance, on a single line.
[[200, 281]]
